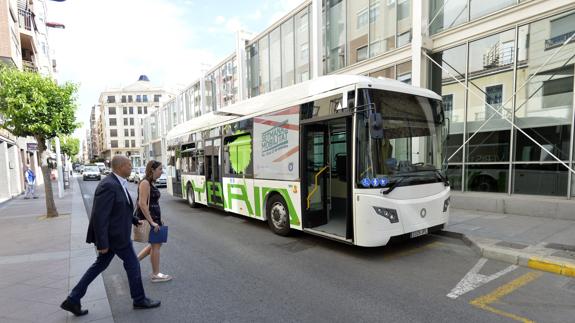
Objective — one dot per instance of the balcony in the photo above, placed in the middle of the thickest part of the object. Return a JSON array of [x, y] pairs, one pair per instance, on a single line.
[[559, 40], [498, 56], [26, 20], [29, 66]]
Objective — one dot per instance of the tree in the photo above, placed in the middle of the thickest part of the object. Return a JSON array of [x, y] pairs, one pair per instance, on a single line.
[[34, 105], [70, 146]]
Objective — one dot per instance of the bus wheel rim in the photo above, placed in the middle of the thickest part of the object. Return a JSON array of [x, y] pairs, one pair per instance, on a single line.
[[279, 215]]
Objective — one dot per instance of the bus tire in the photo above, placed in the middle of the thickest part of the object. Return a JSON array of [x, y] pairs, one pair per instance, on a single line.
[[278, 215], [191, 197]]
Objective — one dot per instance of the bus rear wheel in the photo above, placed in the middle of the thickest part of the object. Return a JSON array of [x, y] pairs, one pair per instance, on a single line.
[[278, 215], [190, 197]]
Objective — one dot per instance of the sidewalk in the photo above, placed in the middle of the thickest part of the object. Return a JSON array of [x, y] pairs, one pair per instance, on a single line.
[[41, 259], [540, 243]]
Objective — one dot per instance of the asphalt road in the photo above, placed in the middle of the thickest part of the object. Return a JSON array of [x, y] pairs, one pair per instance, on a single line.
[[228, 268]]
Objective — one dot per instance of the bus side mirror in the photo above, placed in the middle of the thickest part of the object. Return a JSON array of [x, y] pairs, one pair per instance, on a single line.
[[376, 125]]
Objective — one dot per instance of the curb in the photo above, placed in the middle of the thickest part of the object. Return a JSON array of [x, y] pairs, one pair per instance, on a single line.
[[538, 258]]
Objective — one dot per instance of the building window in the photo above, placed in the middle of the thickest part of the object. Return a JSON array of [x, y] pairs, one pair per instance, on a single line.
[[113, 133], [139, 110], [123, 99], [126, 121], [126, 143], [125, 110], [145, 110], [334, 23], [253, 74], [302, 55], [362, 53], [138, 98], [362, 19], [126, 132], [558, 92], [113, 121], [114, 143], [131, 110], [133, 143], [275, 60], [493, 97], [111, 99], [145, 98], [131, 121], [133, 132], [111, 110], [287, 35], [130, 98], [447, 103], [157, 97], [264, 66]]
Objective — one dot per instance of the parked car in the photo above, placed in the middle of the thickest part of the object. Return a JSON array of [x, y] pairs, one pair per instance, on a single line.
[[140, 174], [162, 181], [132, 177], [101, 166], [91, 172]]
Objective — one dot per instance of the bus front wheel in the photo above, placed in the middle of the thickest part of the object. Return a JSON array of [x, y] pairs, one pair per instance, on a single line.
[[190, 197], [278, 215]]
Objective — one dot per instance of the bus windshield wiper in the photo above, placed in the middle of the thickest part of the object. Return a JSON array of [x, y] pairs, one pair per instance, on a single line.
[[393, 185]]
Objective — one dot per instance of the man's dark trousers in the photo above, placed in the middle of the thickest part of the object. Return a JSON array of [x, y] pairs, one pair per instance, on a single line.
[[131, 264]]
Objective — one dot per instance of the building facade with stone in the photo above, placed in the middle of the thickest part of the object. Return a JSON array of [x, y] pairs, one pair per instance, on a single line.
[[23, 45], [118, 122]]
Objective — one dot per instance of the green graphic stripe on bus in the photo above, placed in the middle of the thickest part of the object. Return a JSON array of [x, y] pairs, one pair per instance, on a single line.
[[212, 194], [240, 197], [198, 189], [257, 202], [294, 219]]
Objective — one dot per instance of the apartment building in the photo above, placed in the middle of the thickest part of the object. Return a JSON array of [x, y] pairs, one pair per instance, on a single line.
[[504, 68], [24, 45], [121, 114]]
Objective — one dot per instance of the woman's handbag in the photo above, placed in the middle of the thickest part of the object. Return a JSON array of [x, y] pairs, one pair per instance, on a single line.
[[141, 232]]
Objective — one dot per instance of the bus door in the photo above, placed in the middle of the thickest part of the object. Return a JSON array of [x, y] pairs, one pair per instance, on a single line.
[[176, 174], [213, 178], [326, 180]]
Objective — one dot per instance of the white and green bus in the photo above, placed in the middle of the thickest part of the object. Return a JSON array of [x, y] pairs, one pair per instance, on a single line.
[[351, 158]]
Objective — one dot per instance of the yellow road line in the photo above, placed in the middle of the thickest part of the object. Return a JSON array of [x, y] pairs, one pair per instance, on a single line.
[[484, 301]]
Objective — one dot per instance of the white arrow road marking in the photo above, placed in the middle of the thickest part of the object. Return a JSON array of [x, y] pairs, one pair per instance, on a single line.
[[473, 279]]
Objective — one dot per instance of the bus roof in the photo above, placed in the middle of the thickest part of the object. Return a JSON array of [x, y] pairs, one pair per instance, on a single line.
[[292, 95]]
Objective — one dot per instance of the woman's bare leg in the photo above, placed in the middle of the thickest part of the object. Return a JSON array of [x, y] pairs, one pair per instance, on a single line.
[[144, 253], [155, 258]]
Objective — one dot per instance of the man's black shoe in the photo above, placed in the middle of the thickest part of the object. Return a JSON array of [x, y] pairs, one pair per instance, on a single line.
[[146, 303], [75, 309]]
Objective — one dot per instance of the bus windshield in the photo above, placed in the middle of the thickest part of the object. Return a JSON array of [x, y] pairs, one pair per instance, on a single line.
[[409, 146]]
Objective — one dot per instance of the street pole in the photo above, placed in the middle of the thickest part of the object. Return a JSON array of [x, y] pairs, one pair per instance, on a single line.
[[59, 167]]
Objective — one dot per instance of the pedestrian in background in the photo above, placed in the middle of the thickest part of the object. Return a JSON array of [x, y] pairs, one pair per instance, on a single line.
[[149, 210], [30, 178], [110, 230]]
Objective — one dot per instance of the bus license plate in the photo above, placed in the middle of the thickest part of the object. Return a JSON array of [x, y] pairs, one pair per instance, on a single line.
[[418, 233]]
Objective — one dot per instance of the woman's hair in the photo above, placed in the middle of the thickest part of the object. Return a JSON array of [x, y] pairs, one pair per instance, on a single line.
[[150, 168]]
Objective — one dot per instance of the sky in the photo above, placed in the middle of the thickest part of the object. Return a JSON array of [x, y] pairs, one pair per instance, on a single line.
[[110, 43]]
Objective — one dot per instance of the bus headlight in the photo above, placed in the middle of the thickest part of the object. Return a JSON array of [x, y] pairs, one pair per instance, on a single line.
[[389, 214], [446, 204]]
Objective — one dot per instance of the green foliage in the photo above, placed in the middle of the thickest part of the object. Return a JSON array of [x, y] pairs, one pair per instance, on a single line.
[[34, 105], [70, 146]]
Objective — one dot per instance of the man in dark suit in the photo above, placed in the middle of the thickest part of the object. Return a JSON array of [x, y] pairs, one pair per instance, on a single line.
[[110, 229]]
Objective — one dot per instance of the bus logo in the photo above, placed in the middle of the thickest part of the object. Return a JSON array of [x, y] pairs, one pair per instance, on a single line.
[[423, 213], [275, 139]]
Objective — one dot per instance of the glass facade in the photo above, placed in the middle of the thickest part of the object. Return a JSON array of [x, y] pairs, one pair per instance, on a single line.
[[334, 35], [280, 58], [445, 14], [498, 157]]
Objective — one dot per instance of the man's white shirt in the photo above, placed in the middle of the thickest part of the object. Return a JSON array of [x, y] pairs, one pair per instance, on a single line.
[[123, 181]]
